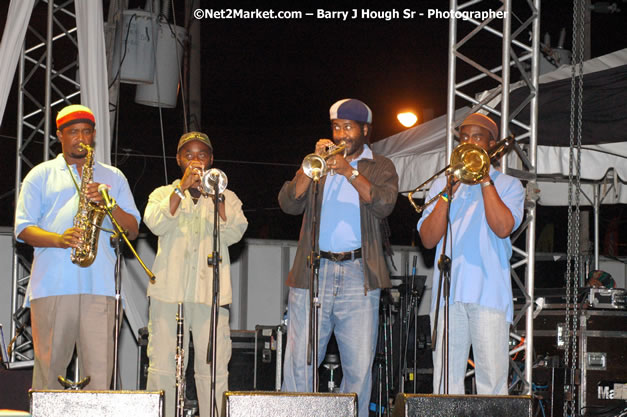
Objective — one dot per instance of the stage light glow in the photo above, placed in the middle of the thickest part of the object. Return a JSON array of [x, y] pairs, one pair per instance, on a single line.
[[407, 119]]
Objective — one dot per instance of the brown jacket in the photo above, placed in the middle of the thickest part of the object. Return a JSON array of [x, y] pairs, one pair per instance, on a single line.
[[382, 175]]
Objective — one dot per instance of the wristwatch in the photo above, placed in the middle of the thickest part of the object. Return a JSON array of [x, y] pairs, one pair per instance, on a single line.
[[487, 184], [354, 175]]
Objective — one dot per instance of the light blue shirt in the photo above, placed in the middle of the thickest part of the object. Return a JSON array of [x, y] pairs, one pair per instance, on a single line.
[[480, 272], [340, 221], [49, 199]]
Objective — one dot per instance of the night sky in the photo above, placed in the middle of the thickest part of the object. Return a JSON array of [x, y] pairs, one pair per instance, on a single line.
[[267, 86]]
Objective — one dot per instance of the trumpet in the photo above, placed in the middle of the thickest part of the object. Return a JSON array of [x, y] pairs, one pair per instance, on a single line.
[[212, 180], [469, 164], [315, 166]]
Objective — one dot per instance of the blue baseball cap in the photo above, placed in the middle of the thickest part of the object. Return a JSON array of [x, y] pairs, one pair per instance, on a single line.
[[351, 109]]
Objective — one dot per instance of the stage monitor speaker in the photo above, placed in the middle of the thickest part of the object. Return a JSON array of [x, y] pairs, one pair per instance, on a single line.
[[289, 404], [417, 405], [55, 403]]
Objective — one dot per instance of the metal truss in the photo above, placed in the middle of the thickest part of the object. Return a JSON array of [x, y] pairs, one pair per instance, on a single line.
[[48, 79], [514, 32]]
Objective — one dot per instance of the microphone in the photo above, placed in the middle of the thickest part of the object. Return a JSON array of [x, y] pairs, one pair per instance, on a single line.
[[104, 192], [214, 175], [214, 181]]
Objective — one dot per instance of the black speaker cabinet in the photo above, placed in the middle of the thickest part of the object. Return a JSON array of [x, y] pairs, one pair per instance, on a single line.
[[257, 358], [418, 405], [269, 348], [242, 363], [602, 358], [54, 403], [14, 386], [288, 404]]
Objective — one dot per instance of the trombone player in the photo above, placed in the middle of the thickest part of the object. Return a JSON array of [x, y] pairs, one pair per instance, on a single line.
[[482, 217], [352, 203], [182, 217]]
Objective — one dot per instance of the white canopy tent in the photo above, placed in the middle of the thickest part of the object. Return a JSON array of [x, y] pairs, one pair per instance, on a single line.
[[419, 152]]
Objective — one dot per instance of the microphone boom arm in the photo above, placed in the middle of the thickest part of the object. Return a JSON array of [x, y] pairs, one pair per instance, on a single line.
[[108, 206]]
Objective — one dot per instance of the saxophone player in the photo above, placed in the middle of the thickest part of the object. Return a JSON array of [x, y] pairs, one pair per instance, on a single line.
[[183, 219], [71, 305]]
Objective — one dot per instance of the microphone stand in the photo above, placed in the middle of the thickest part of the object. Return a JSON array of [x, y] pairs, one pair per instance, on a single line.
[[410, 316], [214, 260], [404, 302], [314, 301], [415, 304], [444, 265], [115, 242]]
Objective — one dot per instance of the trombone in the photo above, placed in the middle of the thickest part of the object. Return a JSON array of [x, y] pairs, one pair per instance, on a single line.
[[469, 164], [315, 166]]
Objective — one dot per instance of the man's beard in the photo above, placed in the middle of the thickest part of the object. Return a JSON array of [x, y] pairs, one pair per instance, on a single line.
[[355, 147], [76, 155]]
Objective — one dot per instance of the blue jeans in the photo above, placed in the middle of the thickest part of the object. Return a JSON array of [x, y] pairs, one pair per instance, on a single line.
[[345, 310], [487, 330]]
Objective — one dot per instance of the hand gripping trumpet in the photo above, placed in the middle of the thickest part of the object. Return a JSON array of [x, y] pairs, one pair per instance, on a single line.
[[469, 164], [315, 166]]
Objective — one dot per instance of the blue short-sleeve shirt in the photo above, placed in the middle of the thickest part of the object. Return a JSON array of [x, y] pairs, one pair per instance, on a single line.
[[480, 271], [49, 199]]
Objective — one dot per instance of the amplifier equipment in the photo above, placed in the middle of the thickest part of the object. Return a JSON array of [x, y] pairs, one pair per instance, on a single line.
[[423, 405], [53, 403], [289, 404]]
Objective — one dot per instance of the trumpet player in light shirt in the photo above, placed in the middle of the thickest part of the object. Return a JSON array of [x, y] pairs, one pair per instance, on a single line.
[[182, 217]]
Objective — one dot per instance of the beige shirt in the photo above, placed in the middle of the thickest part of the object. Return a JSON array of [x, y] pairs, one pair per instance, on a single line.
[[185, 240]]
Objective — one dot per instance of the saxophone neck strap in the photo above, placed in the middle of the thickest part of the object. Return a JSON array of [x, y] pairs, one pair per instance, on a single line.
[[69, 169]]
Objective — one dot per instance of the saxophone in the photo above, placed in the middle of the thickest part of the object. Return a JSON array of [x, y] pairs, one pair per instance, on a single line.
[[180, 364], [89, 216]]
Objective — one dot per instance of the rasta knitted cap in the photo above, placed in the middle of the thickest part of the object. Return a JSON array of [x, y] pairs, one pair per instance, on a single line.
[[75, 113]]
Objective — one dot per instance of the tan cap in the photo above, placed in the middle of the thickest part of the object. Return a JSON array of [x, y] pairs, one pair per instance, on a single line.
[[189, 136], [484, 121]]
